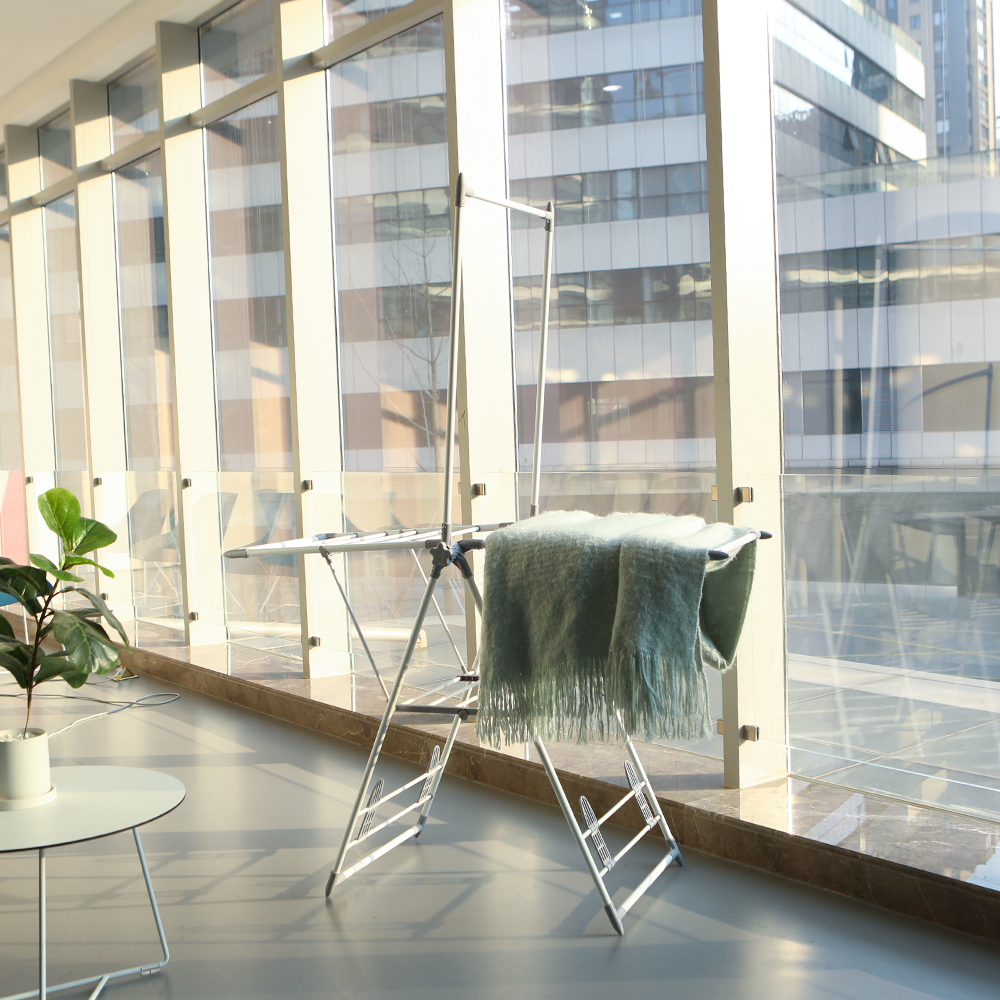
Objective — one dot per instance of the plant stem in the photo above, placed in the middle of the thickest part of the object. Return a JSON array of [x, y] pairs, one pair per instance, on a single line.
[[33, 665]]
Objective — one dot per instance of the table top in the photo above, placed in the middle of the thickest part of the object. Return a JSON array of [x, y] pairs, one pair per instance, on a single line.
[[91, 802]]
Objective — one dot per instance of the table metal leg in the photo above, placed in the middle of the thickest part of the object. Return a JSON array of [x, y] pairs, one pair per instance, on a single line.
[[42, 956], [152, 902], [143, 970]]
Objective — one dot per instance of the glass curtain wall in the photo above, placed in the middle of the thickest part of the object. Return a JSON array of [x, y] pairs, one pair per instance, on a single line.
[[149, 438], [55, 149], [237, 47], [392, 239], [890, 297], [606, 119], [133, 103], [345, 16], [62, 274], [13, 543], [246, 245]]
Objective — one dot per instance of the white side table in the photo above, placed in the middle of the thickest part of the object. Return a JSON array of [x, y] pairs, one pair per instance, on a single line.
[[91, 802]]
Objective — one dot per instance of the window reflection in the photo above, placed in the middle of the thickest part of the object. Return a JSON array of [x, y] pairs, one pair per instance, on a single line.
[[246, 243], [606, 99], [394, 281], [55, 149], [143, 307], [62, 274], [10, 419], [154, 542], [616, 195], [237, 47], [134, 104]]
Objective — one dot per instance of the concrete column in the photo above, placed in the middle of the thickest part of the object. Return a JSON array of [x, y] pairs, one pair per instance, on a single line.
[[741, 189]]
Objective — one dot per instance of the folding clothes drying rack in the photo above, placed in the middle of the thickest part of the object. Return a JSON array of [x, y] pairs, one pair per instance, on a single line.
[[448, 546]]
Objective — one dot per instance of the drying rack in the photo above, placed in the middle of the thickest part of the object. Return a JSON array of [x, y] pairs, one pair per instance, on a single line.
[[447, 547]]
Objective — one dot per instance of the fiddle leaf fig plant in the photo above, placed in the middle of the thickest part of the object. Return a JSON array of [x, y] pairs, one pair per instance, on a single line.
[[86, 646]]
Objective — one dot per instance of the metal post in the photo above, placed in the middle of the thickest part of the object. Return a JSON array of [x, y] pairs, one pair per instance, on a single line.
[[152, 903], [42, 937], [382, 730], [654, 802], [436, 780], [453, 355], [609, 907], [543, 349]]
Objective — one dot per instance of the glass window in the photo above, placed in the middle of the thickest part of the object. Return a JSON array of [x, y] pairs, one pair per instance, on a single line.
[[843, 62], [3, 180], [394, 287], [890, 354], [389, 156], [344, 16], [62, 273], [246, 242], [629, 414], [143, 304], [237, 47], [134, 104], [10, 420], [145, 343], [246, 246], [13, 539], [55, 148]]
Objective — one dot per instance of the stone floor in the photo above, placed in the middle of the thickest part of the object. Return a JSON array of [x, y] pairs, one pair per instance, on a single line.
[[491, 903]]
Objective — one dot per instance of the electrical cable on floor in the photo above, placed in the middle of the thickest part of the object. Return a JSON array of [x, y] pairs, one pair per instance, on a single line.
[[143, 702]]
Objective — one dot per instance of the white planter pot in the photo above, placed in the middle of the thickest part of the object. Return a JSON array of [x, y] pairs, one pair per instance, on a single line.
[[24, 770]]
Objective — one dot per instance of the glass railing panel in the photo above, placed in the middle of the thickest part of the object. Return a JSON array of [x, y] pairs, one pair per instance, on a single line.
[[893, 610], [261, 594], [385, 587]]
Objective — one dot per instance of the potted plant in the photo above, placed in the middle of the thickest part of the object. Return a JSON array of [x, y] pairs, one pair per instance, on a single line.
[[86, 647]]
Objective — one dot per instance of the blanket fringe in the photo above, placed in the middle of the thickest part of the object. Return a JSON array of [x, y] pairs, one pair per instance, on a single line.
[[655, 699]]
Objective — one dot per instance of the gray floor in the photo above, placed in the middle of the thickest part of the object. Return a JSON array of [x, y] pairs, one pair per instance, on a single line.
[[492, 903]]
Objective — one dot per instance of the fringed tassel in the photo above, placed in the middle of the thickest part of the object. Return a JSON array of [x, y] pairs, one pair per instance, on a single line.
[[656, 700]]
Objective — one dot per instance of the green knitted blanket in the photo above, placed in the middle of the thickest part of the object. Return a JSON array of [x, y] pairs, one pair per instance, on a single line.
[[589, 620]]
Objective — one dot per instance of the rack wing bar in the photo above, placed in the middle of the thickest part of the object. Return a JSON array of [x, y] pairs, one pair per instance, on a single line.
[[514, 206], [731, 548], [368, 541]]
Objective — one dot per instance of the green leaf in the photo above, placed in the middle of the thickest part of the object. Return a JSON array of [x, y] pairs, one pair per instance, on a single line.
[[85, 612], [75, 678], [87, 644], [48, 566], [6, 629], [83, 561], [16, 659], [94, 535], [43, 562], [25, 584], [61, 511], [104, 611], [50, 667]]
